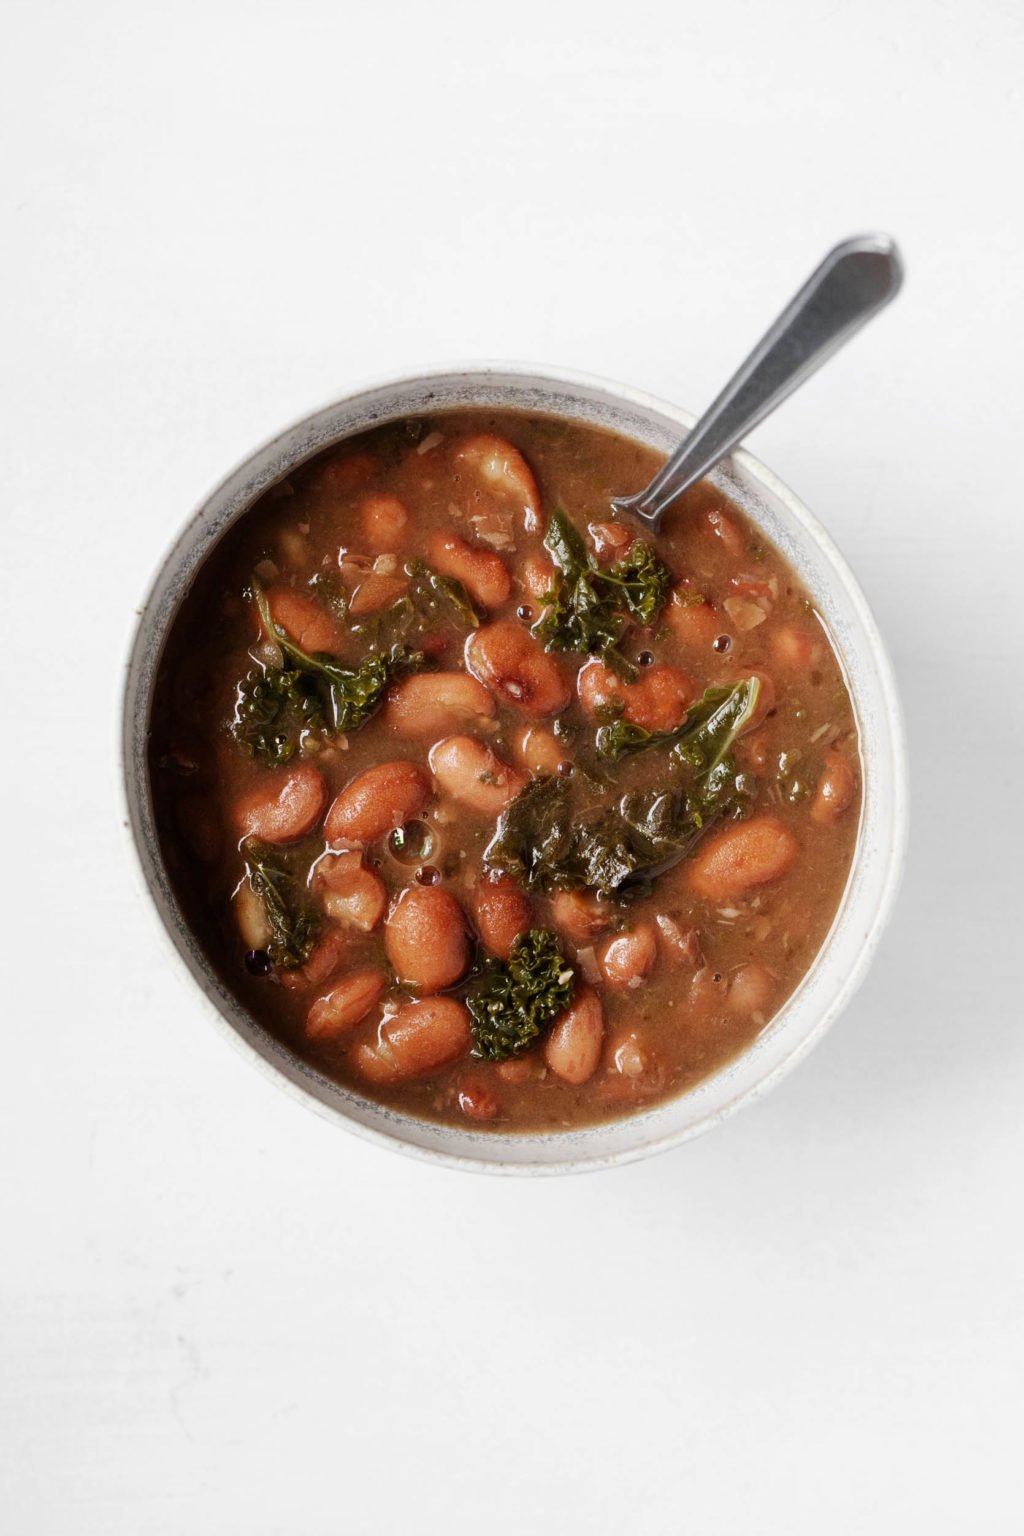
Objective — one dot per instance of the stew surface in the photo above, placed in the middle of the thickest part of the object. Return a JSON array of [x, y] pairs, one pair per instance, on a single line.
[[484, 802]]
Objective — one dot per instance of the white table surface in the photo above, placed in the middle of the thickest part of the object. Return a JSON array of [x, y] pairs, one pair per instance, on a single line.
[[222, 1315]]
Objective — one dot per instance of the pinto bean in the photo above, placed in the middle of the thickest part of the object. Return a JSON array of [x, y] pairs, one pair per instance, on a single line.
[[741, 857], [537, 575], [695, 622], [425, 939], [384, 521], [750, 992], [626, 958], [502, 911], [657, 701], [502, 471], [836, 789], [539, 750], [324, 959], [516, 668], [476, 1100], [472, 774], [377, 800], [304, 620], [483, 573], [283, 806], [351, 999], [429, 703], [420, 1038], [573, 1048], [350, 893]]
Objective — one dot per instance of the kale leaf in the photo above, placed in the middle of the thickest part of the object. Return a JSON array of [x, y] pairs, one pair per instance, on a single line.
[[643, 579], [707, 734], [587, 609], [512, 1003], [617, 849], [293, 921], [275, 709], [277, 706], [431, 600]]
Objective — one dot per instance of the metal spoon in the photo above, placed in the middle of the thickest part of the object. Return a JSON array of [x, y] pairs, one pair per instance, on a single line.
[[855, 281]]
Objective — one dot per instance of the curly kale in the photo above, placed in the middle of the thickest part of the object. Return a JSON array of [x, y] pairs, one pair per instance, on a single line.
[[512, 1003], [431, 600], [293, 921], [643, 580], [587, 608], [278, 707], [618, 848]]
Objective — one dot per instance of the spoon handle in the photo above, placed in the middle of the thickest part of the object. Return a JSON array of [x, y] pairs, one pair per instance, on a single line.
[[855, 281]]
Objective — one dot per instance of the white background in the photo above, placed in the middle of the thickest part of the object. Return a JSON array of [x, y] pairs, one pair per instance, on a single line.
[[222, 1315]]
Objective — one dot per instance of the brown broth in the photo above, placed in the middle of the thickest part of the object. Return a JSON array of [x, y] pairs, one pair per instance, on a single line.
[[690, 1015]]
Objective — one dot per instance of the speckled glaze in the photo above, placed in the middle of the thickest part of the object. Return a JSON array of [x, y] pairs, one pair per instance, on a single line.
[[874, 877]]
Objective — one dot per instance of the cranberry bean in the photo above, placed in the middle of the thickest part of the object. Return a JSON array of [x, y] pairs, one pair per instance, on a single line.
[[251, 917], [430, 703], [695, 622], [483, 573], [539, 750], [472, 774], [426, 940], [304, 620], [626, 958], [476, 1100], [377, 800], [420, 1038], [501, 470], [537, 575], [573, 1048], [611, 540], [376, 590], [516, 668], [334, 1014], [350, 893], [794, 648], [283, 806], [741, 857], [657, 701], [502, 912]]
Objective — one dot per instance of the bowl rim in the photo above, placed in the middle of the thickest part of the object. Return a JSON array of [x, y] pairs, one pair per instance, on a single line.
[[465, 373]]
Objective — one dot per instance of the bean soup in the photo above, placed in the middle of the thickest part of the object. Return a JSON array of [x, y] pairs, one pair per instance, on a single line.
[[483, 801]]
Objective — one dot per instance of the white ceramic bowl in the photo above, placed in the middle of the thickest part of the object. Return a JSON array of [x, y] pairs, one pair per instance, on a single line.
[[874, 877]]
